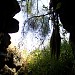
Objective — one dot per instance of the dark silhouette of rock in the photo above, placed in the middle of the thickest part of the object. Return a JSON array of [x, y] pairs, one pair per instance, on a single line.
[[8, 9]]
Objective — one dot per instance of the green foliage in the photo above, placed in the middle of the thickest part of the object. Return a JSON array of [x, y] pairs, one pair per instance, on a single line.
[[40, 62], [29, 5]]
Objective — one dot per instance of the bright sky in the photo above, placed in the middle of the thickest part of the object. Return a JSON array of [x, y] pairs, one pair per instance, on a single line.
[[16, 36], [29, 41]]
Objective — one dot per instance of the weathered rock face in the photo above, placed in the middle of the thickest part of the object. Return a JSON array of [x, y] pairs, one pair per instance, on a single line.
[[4, 43], [8, 9]]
